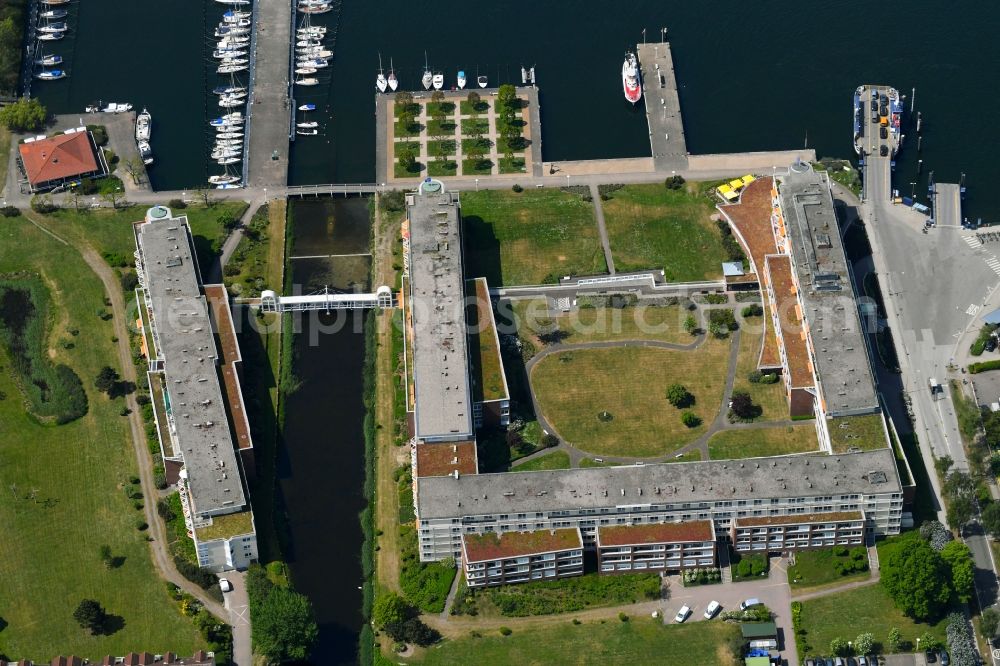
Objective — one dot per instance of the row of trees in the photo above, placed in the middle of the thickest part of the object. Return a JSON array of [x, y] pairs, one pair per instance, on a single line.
[[24, 115], [400, 621], [284, 628]]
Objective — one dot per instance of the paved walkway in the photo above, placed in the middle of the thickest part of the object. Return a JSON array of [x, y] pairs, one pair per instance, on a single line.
[[602, 229], [238, 604]]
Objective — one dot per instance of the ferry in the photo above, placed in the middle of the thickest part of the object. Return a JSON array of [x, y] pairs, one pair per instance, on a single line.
[[630, 78], [885, 109]]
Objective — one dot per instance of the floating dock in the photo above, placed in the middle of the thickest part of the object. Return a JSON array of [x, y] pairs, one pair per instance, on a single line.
[[663, 107], [947, 205]]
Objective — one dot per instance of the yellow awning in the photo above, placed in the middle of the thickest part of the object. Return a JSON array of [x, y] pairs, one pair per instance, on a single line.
[[730, 195], [747, 179], [736, 184], [724, 189]]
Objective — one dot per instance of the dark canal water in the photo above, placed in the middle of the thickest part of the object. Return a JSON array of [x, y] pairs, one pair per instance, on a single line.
[[752, 77], [322, 472]]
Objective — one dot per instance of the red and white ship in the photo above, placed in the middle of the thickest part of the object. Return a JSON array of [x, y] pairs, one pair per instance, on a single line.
[[630, 78]]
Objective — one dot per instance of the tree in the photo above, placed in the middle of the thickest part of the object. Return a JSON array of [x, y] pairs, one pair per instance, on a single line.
[[690, 419], [284, 628], [929, 642], [24, 115], [76, 197], [106, 379], [690, 324], [916, 578], [408, 159], [474, 101], [476, 152], [959, 559], [106, 556], [228, 220], [437, 97], [864, 643], [390, 608], [679, 396], [404, 98], [112, 196], [988, 624], [839, 647], [91, 616], [991, 519], [133, 166], [742, 406], [894, 640], [205, 195], [959, 490]]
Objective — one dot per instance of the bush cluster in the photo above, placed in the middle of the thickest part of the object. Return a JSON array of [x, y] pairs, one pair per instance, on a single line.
[[935, 534], [734, 252], [701, 576], [983, 366], [572, 594], [750, 565], [960, 643]]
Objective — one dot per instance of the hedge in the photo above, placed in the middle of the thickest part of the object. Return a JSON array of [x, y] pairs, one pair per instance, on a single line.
[[984, 366]]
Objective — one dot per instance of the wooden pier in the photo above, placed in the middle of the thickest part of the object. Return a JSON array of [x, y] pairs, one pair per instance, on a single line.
[[947, 205], [663, 107]]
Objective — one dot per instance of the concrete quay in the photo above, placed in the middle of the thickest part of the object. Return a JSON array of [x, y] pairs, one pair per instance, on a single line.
[[947, 205], [663, 107], [269, 112]]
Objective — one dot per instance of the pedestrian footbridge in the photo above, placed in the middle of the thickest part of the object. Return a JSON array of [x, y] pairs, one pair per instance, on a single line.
[[326, 300]]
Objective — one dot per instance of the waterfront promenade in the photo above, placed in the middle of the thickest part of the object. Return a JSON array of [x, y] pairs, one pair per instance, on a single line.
[[270, 111], [947, 205], [663, 107]]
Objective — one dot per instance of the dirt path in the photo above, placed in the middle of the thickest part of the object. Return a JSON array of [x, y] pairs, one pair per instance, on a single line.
[[157, 532]]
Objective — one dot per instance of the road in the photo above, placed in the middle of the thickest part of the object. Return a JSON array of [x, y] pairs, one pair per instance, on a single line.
[[934, 283]]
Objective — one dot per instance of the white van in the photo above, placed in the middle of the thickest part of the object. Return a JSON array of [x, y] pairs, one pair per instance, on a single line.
[[749, 602]]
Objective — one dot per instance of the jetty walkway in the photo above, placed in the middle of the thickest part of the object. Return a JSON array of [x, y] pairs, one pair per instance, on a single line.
[[663, 107]]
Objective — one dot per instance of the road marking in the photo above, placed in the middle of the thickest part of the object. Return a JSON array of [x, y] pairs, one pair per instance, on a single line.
[[973, 241], [972, 309]]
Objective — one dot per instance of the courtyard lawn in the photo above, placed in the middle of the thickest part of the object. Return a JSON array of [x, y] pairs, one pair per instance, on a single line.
[[446, 128], [815, 568], [663, 323], [63, 489], [574, 388], [470, 125], [439, 167], [771, 397], [759, 442], [650, 226], [529, 237], [554, 460], [847, 614], [604, 643], [482, 167], [401, 130], [512, 165], [110, 231], [481, 108], [400, 171]]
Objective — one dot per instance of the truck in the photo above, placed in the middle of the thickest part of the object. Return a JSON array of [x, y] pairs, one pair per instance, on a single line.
[[936, 388]]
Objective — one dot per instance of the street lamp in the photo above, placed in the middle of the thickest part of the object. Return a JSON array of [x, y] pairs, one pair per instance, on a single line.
[[913, 185], [477, 184]]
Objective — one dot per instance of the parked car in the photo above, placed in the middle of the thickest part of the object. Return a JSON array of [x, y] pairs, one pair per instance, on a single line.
[[225, 585], [945, 660], [991, 344], [851, 661], [682, 614], [753, 601], [810, 662], [930, 656], [862, 660], [712, 609]]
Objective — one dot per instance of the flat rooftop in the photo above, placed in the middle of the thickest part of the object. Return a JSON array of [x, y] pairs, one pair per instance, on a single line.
[[446, 458], [442, 393], [639, 535], [488, 379], [866, 472], [187, 347], [799, 519], [826, 291], [493, 546], [793, 336]]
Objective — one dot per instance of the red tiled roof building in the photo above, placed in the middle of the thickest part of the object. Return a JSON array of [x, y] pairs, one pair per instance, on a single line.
[[50, 162]]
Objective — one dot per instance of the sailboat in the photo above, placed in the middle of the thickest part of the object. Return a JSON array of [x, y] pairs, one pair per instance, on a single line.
[[461, 79], [307, 107], [393, 81], [51, 14], [380, 81], [224, 179], [427, 78], [307, 81], [307, 125], [48, 60], [306, 70], [51, 75], [310, 132], [51, 36]]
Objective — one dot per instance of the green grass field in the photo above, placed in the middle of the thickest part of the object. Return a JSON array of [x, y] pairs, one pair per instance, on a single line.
[[815, 568], [573, 387], [49, 557], [529, 237], [847, 614], [758, 442], [477, 168], [442, 167], [110, 231], [664, 323], [650, 226], [554, 460], [605, 643], [771, 397]]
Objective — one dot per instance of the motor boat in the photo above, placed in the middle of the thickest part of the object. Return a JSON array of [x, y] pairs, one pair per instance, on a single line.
[[482, 80], [115, 107], [228, 160], [237, 22], [145, 152], [228, 53], [308, 43], [312, 31], [316, 9], [51, 36], [58, 26], [230, 124], [231, 14], [630, 78], [143, 126], [228, 90], [309, 81], [233, 115], [232, 69], [306, 125], [307, 107], [231, 32], [438, 81], [238, 41], [53, 3], [229, 135], [427, 78], [234, 2], [313, 62], [51, 74], [312, 132], [315, 52], [306, 70], [393, 81], [225, 154], [52, 14], [231, 102], [49, 60], [461, 79], [229, 186], [234, 61], [239, 94], [223, 179]]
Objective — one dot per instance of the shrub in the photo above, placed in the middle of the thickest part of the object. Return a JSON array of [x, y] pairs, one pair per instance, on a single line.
[[754, 376], [976, 368], [769, 378], [517, 188], [393, 200], [179, 204], [679, 396], [622, 616], [505, 631], [141, 525], [674, 182], [690, 419], [960, 643], [10, 211], [723, 317], [753, 310], [42, 204]]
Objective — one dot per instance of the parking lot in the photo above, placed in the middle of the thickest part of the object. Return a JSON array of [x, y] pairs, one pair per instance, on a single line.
[[772, 591]]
